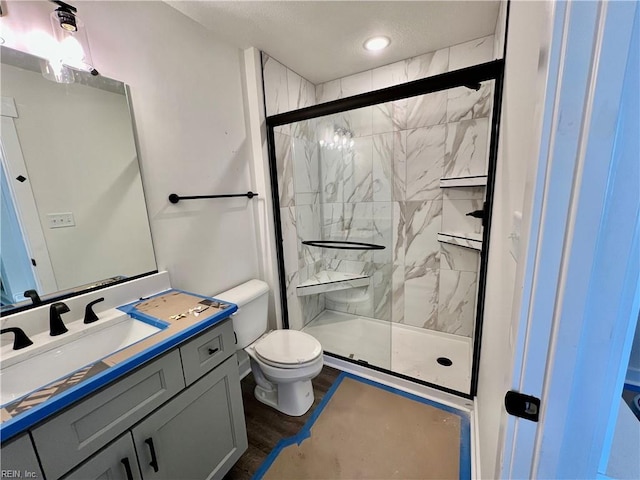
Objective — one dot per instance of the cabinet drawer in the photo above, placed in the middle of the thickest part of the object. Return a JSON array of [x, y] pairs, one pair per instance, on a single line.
[[207, 351], [118, 460], [74, 435]]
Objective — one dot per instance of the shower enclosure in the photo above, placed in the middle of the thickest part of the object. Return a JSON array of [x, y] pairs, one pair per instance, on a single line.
[[383, 204]]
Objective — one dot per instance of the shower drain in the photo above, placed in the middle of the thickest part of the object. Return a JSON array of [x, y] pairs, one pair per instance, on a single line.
[[444, 361]]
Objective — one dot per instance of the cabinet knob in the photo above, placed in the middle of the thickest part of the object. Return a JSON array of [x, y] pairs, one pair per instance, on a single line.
[[213, 350]]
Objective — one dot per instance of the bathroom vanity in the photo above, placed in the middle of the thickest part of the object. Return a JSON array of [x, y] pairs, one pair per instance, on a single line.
[[175, 412]]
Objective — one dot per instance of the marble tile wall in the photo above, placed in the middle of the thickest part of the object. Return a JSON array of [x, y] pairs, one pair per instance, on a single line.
[[385, 190], [297, 158]]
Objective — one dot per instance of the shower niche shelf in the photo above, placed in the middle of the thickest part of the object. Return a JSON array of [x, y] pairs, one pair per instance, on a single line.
[[330, 281], [472, 181], [467, 240]]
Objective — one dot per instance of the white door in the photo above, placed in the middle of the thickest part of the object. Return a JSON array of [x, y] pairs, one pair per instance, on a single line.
[[23, 199], [582, 306]]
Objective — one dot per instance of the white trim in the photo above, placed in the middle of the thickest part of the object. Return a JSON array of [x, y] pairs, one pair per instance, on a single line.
[[407, 386], [26, 207], [584, 276], [263, 204], [476, 468]]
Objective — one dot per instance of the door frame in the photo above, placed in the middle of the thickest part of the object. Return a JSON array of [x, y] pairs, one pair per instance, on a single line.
[[582, 270]]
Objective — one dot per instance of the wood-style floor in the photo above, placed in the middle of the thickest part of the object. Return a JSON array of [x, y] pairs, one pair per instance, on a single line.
[[266, 426]]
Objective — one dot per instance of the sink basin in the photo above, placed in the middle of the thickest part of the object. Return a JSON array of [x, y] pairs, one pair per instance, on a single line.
[[51, 358]]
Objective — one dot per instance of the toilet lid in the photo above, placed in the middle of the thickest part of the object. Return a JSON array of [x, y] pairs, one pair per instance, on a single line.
[[288, 347]]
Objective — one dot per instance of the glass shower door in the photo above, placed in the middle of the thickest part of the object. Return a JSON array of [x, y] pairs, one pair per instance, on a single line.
[[336, 217], [382, 210]]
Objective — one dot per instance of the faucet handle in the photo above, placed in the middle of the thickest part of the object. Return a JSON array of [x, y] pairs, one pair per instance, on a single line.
[[33, 295], [89, 315], [20, 339]]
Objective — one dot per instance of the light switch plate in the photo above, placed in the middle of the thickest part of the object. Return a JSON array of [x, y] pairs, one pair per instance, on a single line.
[[61, 220]]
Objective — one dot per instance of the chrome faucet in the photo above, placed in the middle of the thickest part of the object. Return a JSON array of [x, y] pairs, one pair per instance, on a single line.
[[20, 340], [56, 325]]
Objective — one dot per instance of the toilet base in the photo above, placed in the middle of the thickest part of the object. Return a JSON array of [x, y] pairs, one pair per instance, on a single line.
[[294, 399]]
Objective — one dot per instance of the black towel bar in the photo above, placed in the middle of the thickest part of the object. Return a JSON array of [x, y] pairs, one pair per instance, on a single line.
[[175, 198]]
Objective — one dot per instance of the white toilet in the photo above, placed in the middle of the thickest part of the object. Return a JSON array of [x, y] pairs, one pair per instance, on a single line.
[[283, 362]]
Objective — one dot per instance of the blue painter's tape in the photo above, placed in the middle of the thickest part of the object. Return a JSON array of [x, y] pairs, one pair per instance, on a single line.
[[305, 431], [30, 417]]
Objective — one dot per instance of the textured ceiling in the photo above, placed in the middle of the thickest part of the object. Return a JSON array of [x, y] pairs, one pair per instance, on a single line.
[[322, 40]]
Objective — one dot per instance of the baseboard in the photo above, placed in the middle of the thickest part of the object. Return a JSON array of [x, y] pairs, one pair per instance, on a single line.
[[244, 365], [476, 471]]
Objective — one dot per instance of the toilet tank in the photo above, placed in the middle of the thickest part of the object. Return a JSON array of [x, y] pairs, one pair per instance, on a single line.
[[250, 321]]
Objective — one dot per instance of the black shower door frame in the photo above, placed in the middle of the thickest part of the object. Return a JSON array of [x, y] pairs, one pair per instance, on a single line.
[[465, 77]]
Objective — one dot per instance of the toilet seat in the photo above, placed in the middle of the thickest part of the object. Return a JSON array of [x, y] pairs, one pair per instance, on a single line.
[[288, 349]]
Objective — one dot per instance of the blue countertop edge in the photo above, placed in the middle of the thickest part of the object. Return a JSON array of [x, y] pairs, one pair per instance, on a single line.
[[31, 417]]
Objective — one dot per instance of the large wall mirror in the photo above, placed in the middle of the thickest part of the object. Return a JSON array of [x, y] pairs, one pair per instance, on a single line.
[[73, 210]]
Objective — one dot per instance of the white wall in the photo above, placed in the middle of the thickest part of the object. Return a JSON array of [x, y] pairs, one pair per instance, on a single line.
[[525, 75], [188, 102]]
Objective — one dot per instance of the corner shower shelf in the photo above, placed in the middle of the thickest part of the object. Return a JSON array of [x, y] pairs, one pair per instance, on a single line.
[[330, 281], [474, 181], [467, 240]]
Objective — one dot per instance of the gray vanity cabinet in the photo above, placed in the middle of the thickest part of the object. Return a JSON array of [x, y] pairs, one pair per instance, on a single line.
[[19, 459], [118, 460], [199, 434], [150, 424]]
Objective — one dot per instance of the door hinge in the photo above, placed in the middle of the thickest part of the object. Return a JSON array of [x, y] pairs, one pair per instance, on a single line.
[[521, 405]]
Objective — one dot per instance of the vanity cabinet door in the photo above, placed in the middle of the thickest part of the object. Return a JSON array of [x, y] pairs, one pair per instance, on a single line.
[[198, 435], [74, 435], [116, 461], [19, 459]]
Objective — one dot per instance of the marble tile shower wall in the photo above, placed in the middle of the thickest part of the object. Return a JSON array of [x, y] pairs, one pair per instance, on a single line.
[[386, 190]]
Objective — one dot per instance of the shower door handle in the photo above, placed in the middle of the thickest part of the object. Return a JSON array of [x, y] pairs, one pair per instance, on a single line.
[[479, 213]]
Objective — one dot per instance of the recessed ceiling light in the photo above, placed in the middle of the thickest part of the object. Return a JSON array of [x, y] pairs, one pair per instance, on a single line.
[[377, 43]]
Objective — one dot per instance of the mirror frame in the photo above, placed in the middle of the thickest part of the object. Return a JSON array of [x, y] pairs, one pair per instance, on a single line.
[[83, 78]]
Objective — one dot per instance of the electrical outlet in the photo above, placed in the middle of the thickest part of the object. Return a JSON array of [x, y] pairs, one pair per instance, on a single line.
[[61, 220]]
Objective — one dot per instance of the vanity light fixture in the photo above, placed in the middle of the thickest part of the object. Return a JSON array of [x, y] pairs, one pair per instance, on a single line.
[[71, 36], [65, 15], [375, 44]]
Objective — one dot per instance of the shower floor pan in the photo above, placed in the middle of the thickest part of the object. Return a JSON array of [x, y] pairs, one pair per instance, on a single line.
[[400, 348]]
